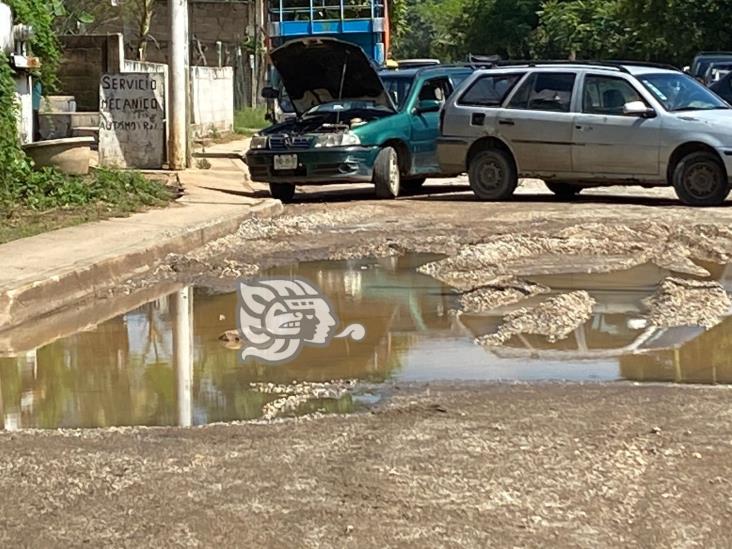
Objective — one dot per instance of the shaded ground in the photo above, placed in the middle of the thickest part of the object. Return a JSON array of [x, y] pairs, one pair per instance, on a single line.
[[486, 465]]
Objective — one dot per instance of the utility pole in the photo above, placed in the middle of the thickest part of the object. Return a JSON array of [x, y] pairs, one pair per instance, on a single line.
[[178, 73]]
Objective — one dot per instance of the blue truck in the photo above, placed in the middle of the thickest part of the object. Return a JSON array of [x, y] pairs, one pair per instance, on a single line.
[[364, 23]]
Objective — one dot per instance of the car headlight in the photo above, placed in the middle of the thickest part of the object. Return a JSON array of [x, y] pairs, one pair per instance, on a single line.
[[258, 142], [344, 139]]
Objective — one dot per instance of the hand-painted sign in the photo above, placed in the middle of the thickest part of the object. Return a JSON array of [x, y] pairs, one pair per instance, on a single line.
[[132, 120]]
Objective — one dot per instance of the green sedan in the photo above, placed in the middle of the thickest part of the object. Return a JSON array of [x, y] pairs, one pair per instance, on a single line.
[[354, 124]]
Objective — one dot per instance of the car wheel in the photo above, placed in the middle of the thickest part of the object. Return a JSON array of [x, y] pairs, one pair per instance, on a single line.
[[565, 191], [413, 184], [492, 175], [284, 192], [700, 180], [387, 178]]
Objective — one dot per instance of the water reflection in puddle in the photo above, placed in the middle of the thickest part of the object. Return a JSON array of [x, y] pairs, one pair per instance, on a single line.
[[134, 368]]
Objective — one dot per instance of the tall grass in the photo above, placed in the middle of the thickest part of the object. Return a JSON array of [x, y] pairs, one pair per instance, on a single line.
[[249, 121]]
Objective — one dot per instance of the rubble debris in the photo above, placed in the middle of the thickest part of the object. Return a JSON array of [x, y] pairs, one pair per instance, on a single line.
[[555, 318], [488, 298], [291, 397], [680, 302]]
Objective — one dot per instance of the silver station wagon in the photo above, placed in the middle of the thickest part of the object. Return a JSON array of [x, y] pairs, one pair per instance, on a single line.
[[578, 125]]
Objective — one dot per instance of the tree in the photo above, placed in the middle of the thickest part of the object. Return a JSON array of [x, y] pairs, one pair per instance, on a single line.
[[501, 27], [90, 16], [585, 29], [428, 30], [675, 30]]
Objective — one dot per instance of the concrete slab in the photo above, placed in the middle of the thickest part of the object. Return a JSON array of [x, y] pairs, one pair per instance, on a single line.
[[51, 271]]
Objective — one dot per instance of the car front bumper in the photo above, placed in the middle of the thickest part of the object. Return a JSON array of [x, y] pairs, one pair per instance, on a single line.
[[314, 167]]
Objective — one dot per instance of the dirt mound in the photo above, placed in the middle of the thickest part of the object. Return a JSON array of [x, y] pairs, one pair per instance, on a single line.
[[688, 303], [556, 318]]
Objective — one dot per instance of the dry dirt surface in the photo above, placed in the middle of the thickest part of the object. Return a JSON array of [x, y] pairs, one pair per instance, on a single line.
[[603, 230], [554, 465], [442, 466]]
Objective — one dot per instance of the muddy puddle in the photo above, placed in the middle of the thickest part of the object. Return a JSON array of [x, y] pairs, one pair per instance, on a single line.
[[119, 363]]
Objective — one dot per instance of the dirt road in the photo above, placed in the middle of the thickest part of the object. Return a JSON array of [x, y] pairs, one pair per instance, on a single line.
[[504, 465], [478, 466], [337, 222]]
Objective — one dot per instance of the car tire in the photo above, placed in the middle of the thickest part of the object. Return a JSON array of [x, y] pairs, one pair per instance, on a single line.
[[492, 175], [414, 184], [284, 192], [701, 180], [565, 191], [387, 177]]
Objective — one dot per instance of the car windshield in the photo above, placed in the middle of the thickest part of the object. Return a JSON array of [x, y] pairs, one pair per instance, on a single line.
[[679, 92], [338, 106], [398, 87]]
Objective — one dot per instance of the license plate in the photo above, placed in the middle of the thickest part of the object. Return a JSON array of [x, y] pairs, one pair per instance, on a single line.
[[285, 162]]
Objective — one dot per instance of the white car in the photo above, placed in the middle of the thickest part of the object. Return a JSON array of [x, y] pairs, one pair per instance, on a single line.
[[578, 125]]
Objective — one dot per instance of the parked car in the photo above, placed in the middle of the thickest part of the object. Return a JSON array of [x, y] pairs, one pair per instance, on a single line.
[[580, 125], [703, 59], [717, 71], [723, 88], [354, 124]]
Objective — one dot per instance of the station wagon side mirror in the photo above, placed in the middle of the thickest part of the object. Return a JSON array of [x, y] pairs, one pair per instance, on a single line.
[[428, 105], [270, 93], [638, 108]]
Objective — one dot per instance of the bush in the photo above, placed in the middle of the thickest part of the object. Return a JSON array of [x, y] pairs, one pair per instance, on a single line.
[[249, 119]]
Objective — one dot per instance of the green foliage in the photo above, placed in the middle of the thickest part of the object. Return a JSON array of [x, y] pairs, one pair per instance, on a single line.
[[657, 30], [13, 163], [40, 14], [248, 121], [501, 27], [584, 29], [429, 28], [47, 189]]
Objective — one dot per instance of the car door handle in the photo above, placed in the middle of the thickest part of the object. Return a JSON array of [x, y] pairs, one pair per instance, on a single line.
[[505, 122], [585, 128]]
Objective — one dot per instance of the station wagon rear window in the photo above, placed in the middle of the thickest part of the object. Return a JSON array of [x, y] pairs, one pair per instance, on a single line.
[[545, 91], [490, 90]]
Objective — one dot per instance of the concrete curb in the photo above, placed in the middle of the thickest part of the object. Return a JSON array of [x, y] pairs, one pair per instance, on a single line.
[[42, 297]]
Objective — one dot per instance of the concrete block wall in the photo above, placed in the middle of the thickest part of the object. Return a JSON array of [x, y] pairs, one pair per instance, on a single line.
[[84, 60], [212, 99]]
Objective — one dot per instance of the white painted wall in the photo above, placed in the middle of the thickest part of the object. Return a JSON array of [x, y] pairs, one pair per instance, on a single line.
[[213, 99], [24, 96]]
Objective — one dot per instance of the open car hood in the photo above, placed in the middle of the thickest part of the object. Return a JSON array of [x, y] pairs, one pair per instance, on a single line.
[[312, 70]]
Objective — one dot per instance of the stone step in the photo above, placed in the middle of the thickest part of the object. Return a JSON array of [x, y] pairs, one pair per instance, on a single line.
[[60, 125], [90, 131], [58, 104]]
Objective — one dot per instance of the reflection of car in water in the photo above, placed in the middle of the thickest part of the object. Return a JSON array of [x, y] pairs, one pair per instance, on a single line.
[[354, 124], [617, 330]]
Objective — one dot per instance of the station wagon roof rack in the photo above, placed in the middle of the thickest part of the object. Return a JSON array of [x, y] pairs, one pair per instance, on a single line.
[[621, 66], [420, 70], [649, 64]]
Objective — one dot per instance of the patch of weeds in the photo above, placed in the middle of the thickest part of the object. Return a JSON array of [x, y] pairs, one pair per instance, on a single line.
[[45, 200], [203, 164], [249, 121]]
